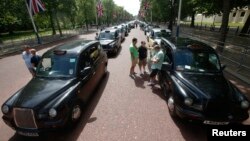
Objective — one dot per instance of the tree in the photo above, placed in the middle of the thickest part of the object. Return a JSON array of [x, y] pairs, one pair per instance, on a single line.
[[108, 10]]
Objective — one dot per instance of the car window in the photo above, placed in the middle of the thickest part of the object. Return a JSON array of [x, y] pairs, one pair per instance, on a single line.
[[167, 51], [106, 35], [187, 60], [163, 33], [94, 52], [57, 66]]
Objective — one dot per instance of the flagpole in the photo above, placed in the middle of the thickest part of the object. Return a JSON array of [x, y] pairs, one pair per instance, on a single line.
[[32, 21], [96, 18]]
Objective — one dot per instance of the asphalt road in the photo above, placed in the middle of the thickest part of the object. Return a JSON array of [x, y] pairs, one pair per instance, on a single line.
[[121, 109]]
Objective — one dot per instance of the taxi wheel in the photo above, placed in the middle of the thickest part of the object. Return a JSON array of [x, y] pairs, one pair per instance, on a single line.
[[75, 114]]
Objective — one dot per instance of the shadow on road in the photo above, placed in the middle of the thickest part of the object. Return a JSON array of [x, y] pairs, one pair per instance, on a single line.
[[66, 135]]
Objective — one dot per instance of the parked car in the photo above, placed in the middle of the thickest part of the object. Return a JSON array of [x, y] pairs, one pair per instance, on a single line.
[[195, 88], [156, 34], [110, 40], [65, 79], [121, 31]]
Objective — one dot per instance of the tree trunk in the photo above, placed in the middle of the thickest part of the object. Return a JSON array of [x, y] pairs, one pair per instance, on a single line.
[[224, 26], [170, 25], [193, 19], [245, 29], [58, 24], [51, 20]]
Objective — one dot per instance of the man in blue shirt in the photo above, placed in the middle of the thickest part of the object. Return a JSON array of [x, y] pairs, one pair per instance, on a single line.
[[157, 61]]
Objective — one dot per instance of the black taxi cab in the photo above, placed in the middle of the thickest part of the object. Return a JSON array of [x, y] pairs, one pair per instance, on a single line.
[[156, 34], [65, 79], [195, 88], [110, 40]]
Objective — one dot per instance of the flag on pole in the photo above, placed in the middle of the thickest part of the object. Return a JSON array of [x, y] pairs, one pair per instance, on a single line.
[[142, 13], [99, 8], [35, 6]]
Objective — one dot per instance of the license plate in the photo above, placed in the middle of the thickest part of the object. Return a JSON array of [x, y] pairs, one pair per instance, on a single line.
[[215, 123], [30, 134]]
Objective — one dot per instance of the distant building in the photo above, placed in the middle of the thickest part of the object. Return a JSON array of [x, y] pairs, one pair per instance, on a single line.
[[237, 15]]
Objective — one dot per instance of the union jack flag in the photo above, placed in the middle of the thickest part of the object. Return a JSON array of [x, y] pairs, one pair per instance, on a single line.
[[146, 5], [99, 8], [35, 6]]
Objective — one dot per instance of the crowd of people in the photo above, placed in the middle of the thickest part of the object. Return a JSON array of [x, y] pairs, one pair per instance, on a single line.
[[31, 59], [139, 55]]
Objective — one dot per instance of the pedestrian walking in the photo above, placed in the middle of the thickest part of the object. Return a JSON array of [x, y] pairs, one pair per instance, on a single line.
[[134, 56], [157, 61], [35, 59], [143, 53], [27, 58]]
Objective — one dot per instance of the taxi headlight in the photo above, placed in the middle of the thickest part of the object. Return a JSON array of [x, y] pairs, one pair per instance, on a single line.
[[52, 112], [244, 104], [188, 101], [5, 109]]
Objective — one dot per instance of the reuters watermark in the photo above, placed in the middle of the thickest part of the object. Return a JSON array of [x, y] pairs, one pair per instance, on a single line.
[[240, 132], [217, 132]]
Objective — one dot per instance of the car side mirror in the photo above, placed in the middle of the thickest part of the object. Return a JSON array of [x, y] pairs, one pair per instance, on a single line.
[[223, 67], [166, 66], [85, 71]]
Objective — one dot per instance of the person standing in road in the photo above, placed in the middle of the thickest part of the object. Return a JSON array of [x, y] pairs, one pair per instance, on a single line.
[[134, 56], [27, 58], [157, 61], [142, 50], [152, 52], [35, 59]]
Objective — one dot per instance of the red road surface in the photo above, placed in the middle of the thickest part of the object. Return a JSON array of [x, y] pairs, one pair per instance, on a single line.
[[121, 109]]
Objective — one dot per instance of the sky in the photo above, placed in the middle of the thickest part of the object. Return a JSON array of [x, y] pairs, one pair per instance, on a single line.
[[132, 6]]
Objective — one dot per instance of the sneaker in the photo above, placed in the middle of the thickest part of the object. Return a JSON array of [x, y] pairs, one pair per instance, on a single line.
[[151, 84], [145, 72], [131, 75]]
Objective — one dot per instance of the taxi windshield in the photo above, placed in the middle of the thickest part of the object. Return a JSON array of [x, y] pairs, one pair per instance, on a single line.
[[163, 34], [196, 61], [57, 66], [106, 35]]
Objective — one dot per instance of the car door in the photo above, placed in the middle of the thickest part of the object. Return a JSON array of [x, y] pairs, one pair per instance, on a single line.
[[98, 64], [165, 76], [88, 80]]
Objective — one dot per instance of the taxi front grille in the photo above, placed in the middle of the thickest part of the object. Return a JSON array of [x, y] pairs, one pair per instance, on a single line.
[[24, 118]]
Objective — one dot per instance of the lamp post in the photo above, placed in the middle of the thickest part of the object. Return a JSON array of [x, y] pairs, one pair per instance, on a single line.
[[179, 18]]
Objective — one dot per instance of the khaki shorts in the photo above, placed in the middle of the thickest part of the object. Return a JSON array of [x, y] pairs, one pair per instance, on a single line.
[[134, 61], [143, 62]]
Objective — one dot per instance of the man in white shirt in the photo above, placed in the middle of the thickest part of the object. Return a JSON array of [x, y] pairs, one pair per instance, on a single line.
[[27, 59], [157, 61]]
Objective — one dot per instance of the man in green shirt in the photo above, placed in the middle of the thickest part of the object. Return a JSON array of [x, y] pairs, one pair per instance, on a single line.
[[134, 56]]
